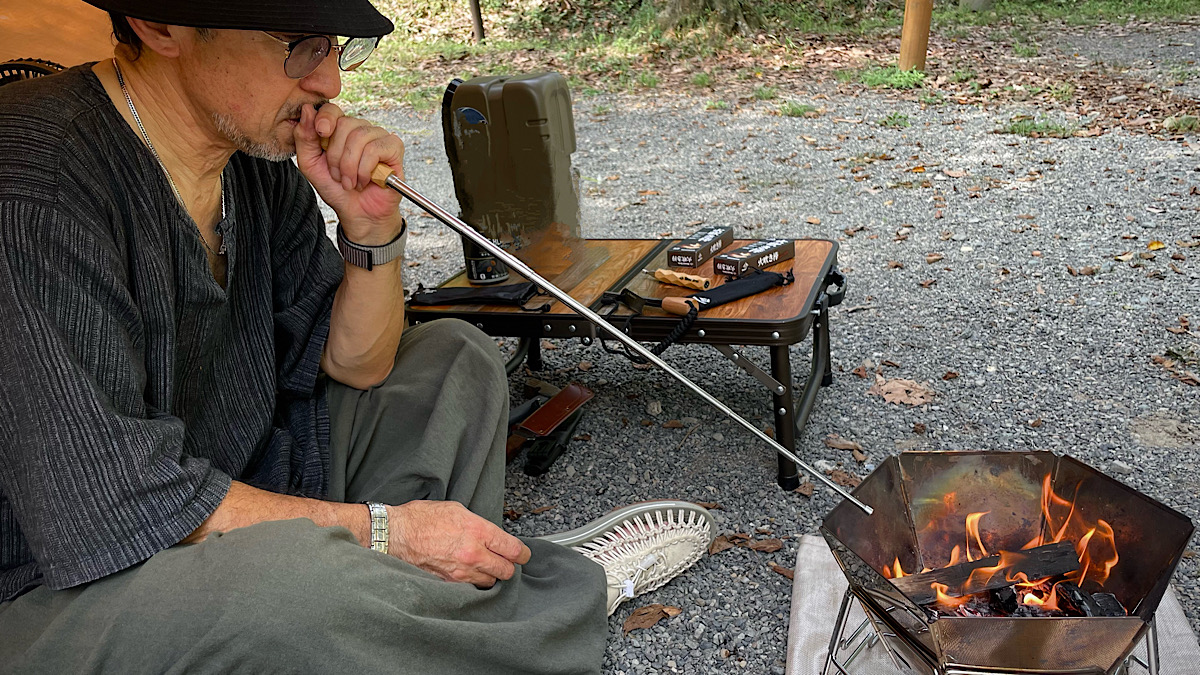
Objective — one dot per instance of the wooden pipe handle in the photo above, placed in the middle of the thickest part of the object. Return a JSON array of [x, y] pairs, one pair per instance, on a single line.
[[680, 306], [379, 174], [680, 279]]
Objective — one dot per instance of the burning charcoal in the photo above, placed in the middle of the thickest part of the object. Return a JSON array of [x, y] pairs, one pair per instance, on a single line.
[[958, 580], [1108, 605], [1077, 600], [1004, 600], [1031, 611]]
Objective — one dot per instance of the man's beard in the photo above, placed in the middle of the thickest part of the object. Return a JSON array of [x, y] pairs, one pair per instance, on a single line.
[[271, 150]]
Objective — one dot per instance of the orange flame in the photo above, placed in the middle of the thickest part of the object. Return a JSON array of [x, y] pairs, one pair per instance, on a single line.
[[973, 533], [947, 600], [1094, 544]]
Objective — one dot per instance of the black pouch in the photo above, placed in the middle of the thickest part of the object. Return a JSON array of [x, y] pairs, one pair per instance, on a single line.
[[508, 294], [755, 282]]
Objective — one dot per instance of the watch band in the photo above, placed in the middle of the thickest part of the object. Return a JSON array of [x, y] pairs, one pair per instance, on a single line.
[[379, 526], [367, 257]]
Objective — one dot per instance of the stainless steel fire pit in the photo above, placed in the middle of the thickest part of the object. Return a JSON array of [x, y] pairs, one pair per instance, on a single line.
[[921, 501]]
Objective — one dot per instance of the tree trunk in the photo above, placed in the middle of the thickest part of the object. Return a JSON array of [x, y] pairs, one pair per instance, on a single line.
[[477, 21], [730, 15]]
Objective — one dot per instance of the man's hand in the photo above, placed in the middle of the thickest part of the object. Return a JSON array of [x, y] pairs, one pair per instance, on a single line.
[[341, 173], [448, 540]]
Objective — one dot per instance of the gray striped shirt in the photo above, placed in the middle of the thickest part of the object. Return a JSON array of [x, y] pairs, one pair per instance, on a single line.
[[133, 388]]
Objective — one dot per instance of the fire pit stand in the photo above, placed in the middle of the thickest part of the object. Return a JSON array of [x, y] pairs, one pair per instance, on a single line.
[[845, 649], [1017, 505]]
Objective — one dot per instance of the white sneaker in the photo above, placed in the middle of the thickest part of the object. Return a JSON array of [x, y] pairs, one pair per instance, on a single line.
[[643, 546]]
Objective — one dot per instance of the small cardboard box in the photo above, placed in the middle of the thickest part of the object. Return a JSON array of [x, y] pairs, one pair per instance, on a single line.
[[759, 254], [701, 246]]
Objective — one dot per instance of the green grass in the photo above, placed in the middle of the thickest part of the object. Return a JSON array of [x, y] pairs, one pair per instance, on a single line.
[[933, 98], [1182, 124], [618, 44], [964, 75], [1025, 125], [1062, 92], [717, 105], [1025, 51], [765, 93], [895, 121], [601, 110], [794, 109], [891, 77]]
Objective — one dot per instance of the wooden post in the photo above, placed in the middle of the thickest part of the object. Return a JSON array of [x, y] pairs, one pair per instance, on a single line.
[[477, 20], [914, 39]]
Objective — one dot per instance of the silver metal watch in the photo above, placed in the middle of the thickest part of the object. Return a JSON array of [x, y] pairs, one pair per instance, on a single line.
[[367, 257], [379, 526]]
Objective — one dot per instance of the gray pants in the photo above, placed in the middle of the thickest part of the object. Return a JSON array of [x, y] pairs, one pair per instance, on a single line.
[[288, 596]]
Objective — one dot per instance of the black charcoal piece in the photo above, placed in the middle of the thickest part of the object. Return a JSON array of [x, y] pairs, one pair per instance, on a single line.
[[1004, 600], [1077, 599], [1108, 605]]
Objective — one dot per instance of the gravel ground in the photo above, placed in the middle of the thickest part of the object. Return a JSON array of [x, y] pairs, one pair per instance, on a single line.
[[1045, 360]]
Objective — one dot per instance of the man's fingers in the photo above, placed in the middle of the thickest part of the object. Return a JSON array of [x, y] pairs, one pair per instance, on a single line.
[[327, 119], [508, 547]]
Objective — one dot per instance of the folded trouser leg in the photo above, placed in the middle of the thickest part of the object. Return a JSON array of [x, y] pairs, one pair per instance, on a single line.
[[435, 429], [288, 596]]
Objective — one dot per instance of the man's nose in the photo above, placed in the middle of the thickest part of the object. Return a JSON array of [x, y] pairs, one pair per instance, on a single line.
[[326, 80]]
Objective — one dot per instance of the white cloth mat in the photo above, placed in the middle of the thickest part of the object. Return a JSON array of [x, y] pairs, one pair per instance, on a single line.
[[817, 592]]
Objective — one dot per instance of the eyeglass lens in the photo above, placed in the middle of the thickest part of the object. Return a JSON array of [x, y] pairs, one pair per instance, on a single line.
[[310, 52]]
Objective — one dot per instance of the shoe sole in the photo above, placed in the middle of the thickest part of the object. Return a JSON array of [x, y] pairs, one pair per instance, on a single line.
[[598, 527]]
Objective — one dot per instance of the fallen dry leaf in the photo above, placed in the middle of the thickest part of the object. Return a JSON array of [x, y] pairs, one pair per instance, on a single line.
[[954, 174], [1155, 245], [541, 509], [645, 617], [898, 391], [895, 264], [839, 443], [931, 258], [1124, 257], [949, 375], [813, 220], [647, 193], [928, 283], [582, 437], [859, 456], [845, 479], [889, 363], [708, 505], [918, 427], [779, 569], [1036, 423], [806, 488], [764, 545], [585, 366], [512, 514], [672, 424], [719, 544], [861, 372]]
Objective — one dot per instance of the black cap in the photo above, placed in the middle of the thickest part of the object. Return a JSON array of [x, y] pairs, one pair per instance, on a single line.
[[347, 18]]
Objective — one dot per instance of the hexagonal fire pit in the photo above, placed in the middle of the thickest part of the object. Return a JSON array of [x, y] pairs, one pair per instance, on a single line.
[[935, 571]]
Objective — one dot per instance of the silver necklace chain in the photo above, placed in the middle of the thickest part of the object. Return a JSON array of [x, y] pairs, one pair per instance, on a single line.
[[145, 137]]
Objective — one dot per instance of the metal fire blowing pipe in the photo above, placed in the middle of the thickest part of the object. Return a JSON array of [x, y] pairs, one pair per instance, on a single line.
[[454, 223]]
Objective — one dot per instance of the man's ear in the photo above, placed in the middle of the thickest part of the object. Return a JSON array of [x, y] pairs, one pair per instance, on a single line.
[[162, 38]]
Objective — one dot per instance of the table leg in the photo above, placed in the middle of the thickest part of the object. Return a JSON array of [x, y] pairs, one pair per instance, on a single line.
[[785, 416], [535, 353], [790, 416]]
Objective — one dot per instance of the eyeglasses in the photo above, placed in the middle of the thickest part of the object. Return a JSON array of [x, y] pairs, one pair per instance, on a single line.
[[306, 53]]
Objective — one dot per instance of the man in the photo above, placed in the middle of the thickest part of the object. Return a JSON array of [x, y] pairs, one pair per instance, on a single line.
[[222, 449]]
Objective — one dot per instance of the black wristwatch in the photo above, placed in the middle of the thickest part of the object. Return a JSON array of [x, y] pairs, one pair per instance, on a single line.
[[367, 257]]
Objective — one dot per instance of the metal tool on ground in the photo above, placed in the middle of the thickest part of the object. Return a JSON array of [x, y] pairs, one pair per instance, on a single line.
[[680, 279], [384, 177]]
